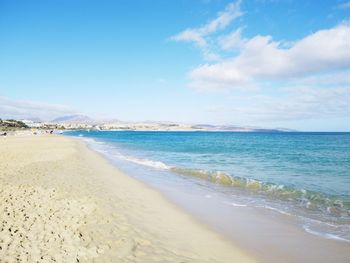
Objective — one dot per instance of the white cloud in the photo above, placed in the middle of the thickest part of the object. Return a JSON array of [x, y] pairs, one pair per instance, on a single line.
[[308, 103], [191, 35], [198, 35], [18, 109], [332, 79], [345, 5], [261, 58], [233, 40], [302, 103], [301, 80]]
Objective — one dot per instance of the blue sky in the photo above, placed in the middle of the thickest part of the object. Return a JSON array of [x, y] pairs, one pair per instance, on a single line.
[[270, 63]]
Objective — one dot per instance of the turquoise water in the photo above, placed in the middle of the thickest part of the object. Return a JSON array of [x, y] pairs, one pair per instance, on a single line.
[[302, 174]]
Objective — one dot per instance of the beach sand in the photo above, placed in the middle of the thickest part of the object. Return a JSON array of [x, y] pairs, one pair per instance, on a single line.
[[61, 202]]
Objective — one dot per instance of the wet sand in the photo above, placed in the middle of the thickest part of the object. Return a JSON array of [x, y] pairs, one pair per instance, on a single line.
[[61, 202]]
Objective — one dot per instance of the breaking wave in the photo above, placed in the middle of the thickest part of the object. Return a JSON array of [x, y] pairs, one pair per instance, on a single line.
[[312, 201]]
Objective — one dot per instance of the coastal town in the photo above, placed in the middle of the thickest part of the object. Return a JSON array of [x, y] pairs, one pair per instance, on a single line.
[[80, 122]]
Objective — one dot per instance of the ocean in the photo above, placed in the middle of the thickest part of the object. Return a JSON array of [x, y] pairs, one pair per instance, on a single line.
[[301, 175]]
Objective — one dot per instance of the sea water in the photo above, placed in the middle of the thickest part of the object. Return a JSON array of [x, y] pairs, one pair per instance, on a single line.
[[304, 175]]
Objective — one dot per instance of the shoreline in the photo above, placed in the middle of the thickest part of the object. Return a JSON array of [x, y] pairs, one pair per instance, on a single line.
[[62, 201], [265, 233]]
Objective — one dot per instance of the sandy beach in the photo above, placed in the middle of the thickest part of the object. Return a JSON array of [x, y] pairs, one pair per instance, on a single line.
[[61, 202]]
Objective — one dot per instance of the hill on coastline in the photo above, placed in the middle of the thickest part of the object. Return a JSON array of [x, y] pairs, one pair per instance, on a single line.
[[76, 118]]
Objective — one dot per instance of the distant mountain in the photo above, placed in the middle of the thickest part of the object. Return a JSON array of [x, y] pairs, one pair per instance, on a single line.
[[77, 118], [33, 119]]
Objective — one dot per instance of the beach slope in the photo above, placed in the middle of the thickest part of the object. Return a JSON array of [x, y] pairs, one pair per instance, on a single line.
[[61, 202]]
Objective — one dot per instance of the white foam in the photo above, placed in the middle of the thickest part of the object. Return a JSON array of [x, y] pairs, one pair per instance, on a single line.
[[89, 140], [324, 235], [275, 209], [235, 204], [321, 222], [145, 162]]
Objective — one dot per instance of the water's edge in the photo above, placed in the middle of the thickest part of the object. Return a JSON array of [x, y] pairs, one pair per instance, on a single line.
[[238, 191], [241, 216]]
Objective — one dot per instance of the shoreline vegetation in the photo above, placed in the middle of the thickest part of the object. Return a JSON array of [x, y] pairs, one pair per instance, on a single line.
[[61, 202], [11, 125]]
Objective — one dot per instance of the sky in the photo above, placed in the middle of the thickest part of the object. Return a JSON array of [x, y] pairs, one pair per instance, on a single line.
[[265, 63]]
